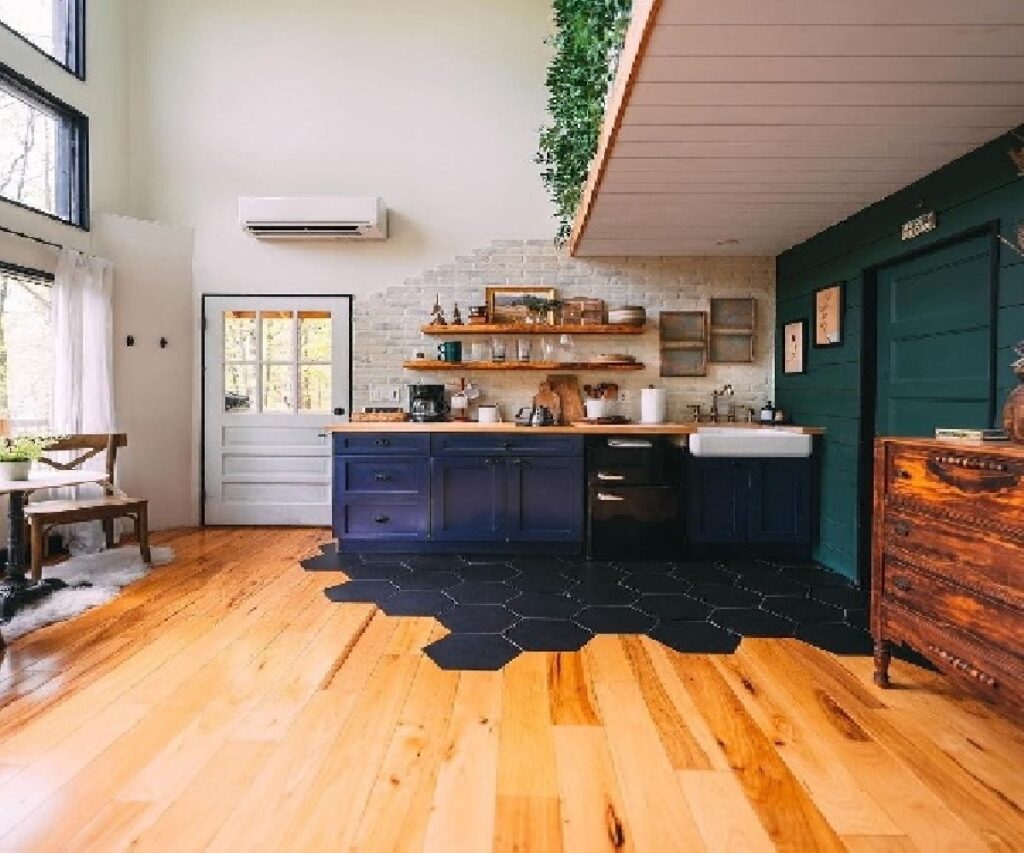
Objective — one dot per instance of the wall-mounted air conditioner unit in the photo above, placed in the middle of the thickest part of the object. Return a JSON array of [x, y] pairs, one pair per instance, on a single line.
[[314, 217]]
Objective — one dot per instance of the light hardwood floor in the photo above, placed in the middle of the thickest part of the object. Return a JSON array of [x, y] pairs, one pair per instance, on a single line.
[[223, 703]]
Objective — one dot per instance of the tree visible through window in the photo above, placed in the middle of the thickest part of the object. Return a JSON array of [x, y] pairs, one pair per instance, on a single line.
[[26, 350], [53, 26]]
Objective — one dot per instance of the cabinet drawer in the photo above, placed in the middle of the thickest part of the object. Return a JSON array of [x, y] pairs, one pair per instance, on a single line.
[[985, 487], [951, 604], [505, 444], [981, 669], [381, 474], [973, 557], [382, 520], [408, 443]]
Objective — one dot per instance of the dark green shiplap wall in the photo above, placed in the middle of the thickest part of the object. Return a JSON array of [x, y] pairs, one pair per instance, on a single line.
[[980, 187]]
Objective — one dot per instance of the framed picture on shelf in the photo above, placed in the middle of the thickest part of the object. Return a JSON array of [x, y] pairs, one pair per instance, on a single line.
[[794, 346], [829, 307], [511, 303]]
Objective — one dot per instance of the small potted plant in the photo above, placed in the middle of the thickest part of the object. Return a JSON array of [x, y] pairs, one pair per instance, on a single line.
[[17, 453]]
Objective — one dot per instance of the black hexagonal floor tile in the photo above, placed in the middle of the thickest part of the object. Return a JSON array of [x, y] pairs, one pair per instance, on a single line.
[[696, 638], [416, 603], [477, 619], [751, 622], [857, 618], [771, 582], [329, 562], [482, 592], [595, 592], [385, 557], [539, 563], [802, 609], [544, 605], [837, 638], [671, 607], [702, 572], [725, 595], [368, 592], [595, 574], [744, 565], [815, 577], [841, 596], [472, 651], [489, 572], [428, 580], [615, 620], [376, 571], [643, 567], [544, 582], [548, 635], [435, 563], [650, 583]]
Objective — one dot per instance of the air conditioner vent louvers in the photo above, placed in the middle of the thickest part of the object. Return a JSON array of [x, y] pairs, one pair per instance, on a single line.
[[314, 218]]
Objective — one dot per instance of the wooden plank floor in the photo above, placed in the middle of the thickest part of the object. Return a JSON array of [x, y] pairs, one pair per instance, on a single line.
[[223, 703]]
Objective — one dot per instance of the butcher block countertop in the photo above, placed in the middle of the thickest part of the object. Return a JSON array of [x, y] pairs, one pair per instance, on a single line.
[[573, 429]]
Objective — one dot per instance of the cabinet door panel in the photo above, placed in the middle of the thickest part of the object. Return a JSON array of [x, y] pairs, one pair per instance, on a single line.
[[717, 492], [545, 499], [780, 501], [467, 499]]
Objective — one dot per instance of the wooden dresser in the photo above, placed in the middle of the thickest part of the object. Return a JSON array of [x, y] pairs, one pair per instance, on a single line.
[[948, 561]]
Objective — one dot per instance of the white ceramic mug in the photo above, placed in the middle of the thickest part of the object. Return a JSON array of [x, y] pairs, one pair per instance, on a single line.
[[488, 413], [599, 408]]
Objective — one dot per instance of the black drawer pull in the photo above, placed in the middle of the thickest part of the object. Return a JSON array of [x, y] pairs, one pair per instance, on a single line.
[[381, 519], [901, 529], [383, 442], [902, 584], [518, 461], [506, 445], [383, 477]]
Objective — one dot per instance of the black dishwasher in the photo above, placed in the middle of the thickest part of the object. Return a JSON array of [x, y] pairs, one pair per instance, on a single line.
[[634, 498]]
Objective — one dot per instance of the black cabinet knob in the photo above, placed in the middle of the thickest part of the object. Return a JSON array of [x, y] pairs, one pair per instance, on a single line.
[[339, 411], [383, 442], [383, 477], [382, 519], [902, 584]]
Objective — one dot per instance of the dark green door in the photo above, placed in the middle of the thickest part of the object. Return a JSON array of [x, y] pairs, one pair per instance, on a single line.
[[935, 341]]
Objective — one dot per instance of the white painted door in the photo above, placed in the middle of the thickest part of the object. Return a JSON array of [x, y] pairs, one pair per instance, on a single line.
[[276, 372]]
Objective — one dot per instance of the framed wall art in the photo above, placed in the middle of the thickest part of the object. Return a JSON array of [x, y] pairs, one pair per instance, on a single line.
[[794, 347], [829, 308], [511, 303]]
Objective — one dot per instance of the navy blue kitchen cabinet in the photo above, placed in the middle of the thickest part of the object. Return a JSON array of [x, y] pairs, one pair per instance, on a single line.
[[545, 499], [743, 501], [467, 499]]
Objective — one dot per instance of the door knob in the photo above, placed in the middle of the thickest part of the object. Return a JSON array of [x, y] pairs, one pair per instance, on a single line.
[[339, 411]]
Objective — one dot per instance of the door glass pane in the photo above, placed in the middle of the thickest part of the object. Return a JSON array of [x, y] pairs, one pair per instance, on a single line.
[[277, 388], [315, 336], [240, 336], [277, 335], [315, 388], [239, 387]]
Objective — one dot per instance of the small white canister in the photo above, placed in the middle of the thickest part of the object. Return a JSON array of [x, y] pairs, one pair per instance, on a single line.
[[653, 404]]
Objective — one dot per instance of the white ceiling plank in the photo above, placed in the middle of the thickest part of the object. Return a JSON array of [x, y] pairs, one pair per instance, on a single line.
[[1006, 94], [829, 40], [756, 165], [869, 148], [832, 69], [676, 247], [969, 136], [842, 12], [852, 117]]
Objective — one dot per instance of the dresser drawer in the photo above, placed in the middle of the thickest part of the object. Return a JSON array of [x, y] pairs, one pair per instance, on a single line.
[[979, 668], [407, 443], [948, 603], [505, 444], [383, 520], [981, 487], [974, 557], [395, 475]]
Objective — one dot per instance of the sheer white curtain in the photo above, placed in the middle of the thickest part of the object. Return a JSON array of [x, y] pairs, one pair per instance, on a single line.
[[82, 317]]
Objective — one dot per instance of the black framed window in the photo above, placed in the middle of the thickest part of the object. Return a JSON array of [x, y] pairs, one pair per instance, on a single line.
[[54, 27], [43, 151]]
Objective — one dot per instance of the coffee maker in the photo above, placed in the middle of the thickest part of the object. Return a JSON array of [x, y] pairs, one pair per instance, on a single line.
[[426, 403]]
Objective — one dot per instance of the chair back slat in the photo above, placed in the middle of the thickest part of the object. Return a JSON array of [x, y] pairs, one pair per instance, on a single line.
[[93, 444]]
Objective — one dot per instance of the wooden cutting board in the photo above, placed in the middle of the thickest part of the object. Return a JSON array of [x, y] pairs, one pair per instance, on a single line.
[[547, 397], [567, 387]]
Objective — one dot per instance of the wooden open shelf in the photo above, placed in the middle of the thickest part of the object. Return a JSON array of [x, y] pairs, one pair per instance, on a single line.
[[549, 366], [532, 329]]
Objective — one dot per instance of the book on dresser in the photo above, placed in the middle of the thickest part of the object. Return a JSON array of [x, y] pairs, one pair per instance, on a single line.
[[948, 561]]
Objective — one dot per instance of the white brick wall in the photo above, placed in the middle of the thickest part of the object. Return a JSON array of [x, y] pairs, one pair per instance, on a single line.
[[387, 325]]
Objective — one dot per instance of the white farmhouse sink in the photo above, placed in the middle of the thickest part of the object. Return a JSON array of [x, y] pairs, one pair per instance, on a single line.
[[723, 441]]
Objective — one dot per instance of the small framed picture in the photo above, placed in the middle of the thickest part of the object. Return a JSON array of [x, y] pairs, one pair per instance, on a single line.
[[511, 303], [794, 344], [829, 308]]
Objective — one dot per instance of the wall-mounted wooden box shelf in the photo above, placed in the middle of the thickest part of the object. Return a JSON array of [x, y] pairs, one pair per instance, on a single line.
[[550, 366], [683, 340], [733, 322], [532, 329]]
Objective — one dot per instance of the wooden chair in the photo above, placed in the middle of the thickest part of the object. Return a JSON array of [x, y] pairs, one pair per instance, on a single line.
[[112, 505]]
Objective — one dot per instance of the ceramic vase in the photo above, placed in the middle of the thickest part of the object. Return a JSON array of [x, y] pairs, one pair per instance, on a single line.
[[15, 470], [1013, 413]]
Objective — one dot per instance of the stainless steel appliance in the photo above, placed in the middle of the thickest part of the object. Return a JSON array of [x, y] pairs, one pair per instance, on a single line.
[[426, 403], [535, 416], [634, 507]]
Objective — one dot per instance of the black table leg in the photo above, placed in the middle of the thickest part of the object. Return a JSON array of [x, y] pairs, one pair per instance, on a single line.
[[15, 591]]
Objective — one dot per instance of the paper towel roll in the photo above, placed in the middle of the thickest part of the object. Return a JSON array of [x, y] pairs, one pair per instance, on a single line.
[[652, 405]]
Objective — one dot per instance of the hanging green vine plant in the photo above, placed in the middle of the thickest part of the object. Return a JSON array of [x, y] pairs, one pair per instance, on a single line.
[[588, 39]]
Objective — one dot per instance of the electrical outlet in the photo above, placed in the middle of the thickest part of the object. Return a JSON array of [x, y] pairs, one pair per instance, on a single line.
[[386, 395], [625, 396]]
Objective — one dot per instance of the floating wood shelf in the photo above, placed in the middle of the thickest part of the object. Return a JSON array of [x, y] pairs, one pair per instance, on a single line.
[[549, 366], [533, 329]]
